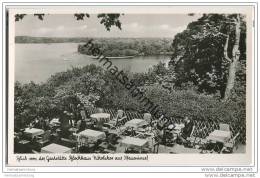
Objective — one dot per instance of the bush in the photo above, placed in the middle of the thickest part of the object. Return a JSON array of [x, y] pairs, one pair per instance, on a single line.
[[101, 89], [180, 103]]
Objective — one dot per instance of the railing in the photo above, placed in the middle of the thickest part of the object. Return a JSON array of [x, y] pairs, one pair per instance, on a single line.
[[202, 128]]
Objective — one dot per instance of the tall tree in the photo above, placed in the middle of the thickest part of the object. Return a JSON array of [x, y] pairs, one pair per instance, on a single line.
[[201, 53], [235, 57]]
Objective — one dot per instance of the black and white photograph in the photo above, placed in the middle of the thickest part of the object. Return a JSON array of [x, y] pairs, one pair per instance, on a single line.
[[130, 83], [126, 86]]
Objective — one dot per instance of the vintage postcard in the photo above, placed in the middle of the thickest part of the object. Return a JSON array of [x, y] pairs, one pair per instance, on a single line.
[[130, 85]]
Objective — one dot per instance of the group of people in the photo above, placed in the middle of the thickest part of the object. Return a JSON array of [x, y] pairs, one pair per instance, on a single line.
[[80, 119], [163, 129], [40, 123], [68, 118], [72, 115]]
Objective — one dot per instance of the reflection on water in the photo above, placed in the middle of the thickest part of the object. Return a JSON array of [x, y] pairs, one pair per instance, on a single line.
[[37, 62]]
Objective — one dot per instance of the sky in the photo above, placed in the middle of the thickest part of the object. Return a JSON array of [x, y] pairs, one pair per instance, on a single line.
[[133, 26]]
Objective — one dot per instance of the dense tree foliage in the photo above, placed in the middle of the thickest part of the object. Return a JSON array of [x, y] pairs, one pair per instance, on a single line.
[[92, 86], [194, 85], [200, 53], [131, 46], [108, 20]]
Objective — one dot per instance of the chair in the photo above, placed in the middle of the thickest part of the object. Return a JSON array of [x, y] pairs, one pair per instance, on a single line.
[[146, 150], [35, 152], [192, 140], [112, 139], [85, 145], [230, 145], [108, 151], [68, 142], [148, 117], [103, 145], [224, 127], [78, 124], [74, 150], [75, 138], [119, 119], [132, 150], [45, 138], [82, 141], [100, 110], [169, 138]]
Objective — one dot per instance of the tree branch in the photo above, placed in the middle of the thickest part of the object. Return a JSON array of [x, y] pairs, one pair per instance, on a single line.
[[226, 49]]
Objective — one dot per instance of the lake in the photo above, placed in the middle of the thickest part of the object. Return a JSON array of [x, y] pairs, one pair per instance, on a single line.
[[37, 62]]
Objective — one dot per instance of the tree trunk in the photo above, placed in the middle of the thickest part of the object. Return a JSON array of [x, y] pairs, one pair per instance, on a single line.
[[233, 61]]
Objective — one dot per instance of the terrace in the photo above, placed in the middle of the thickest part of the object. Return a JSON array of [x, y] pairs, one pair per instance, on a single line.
[[112, 131]]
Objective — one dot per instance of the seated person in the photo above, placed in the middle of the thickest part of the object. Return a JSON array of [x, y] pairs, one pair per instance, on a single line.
[[161, 124], [157, 139], [71, 119], [130, 131], [119, 119], [46, 124], [187, 130], [170, 127], [36, 123], [81, 125], [83, 113]]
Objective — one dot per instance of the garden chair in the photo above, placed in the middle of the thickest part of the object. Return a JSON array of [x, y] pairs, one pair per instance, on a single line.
[[68, 142], [148, 117], [192, 140], [119, 119], [82, 141], [78, 124], [35, 152], [45, 138], [100, 110], [146, 150], [230, 145], [203, 145], [132, 150], [75, 138], [108, 151], [74, 150], [224, 127]]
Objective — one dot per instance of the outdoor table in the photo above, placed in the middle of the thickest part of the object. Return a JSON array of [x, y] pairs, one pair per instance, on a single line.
[[24, 142], [136, 123], [148, 133], [141, 130], [103, 117], [92, 135], [24, 146], [136, 142], [55, 148], [114, 131], [179, 126], [55, 122], [219, 136], [32, 132], [73, 130]]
